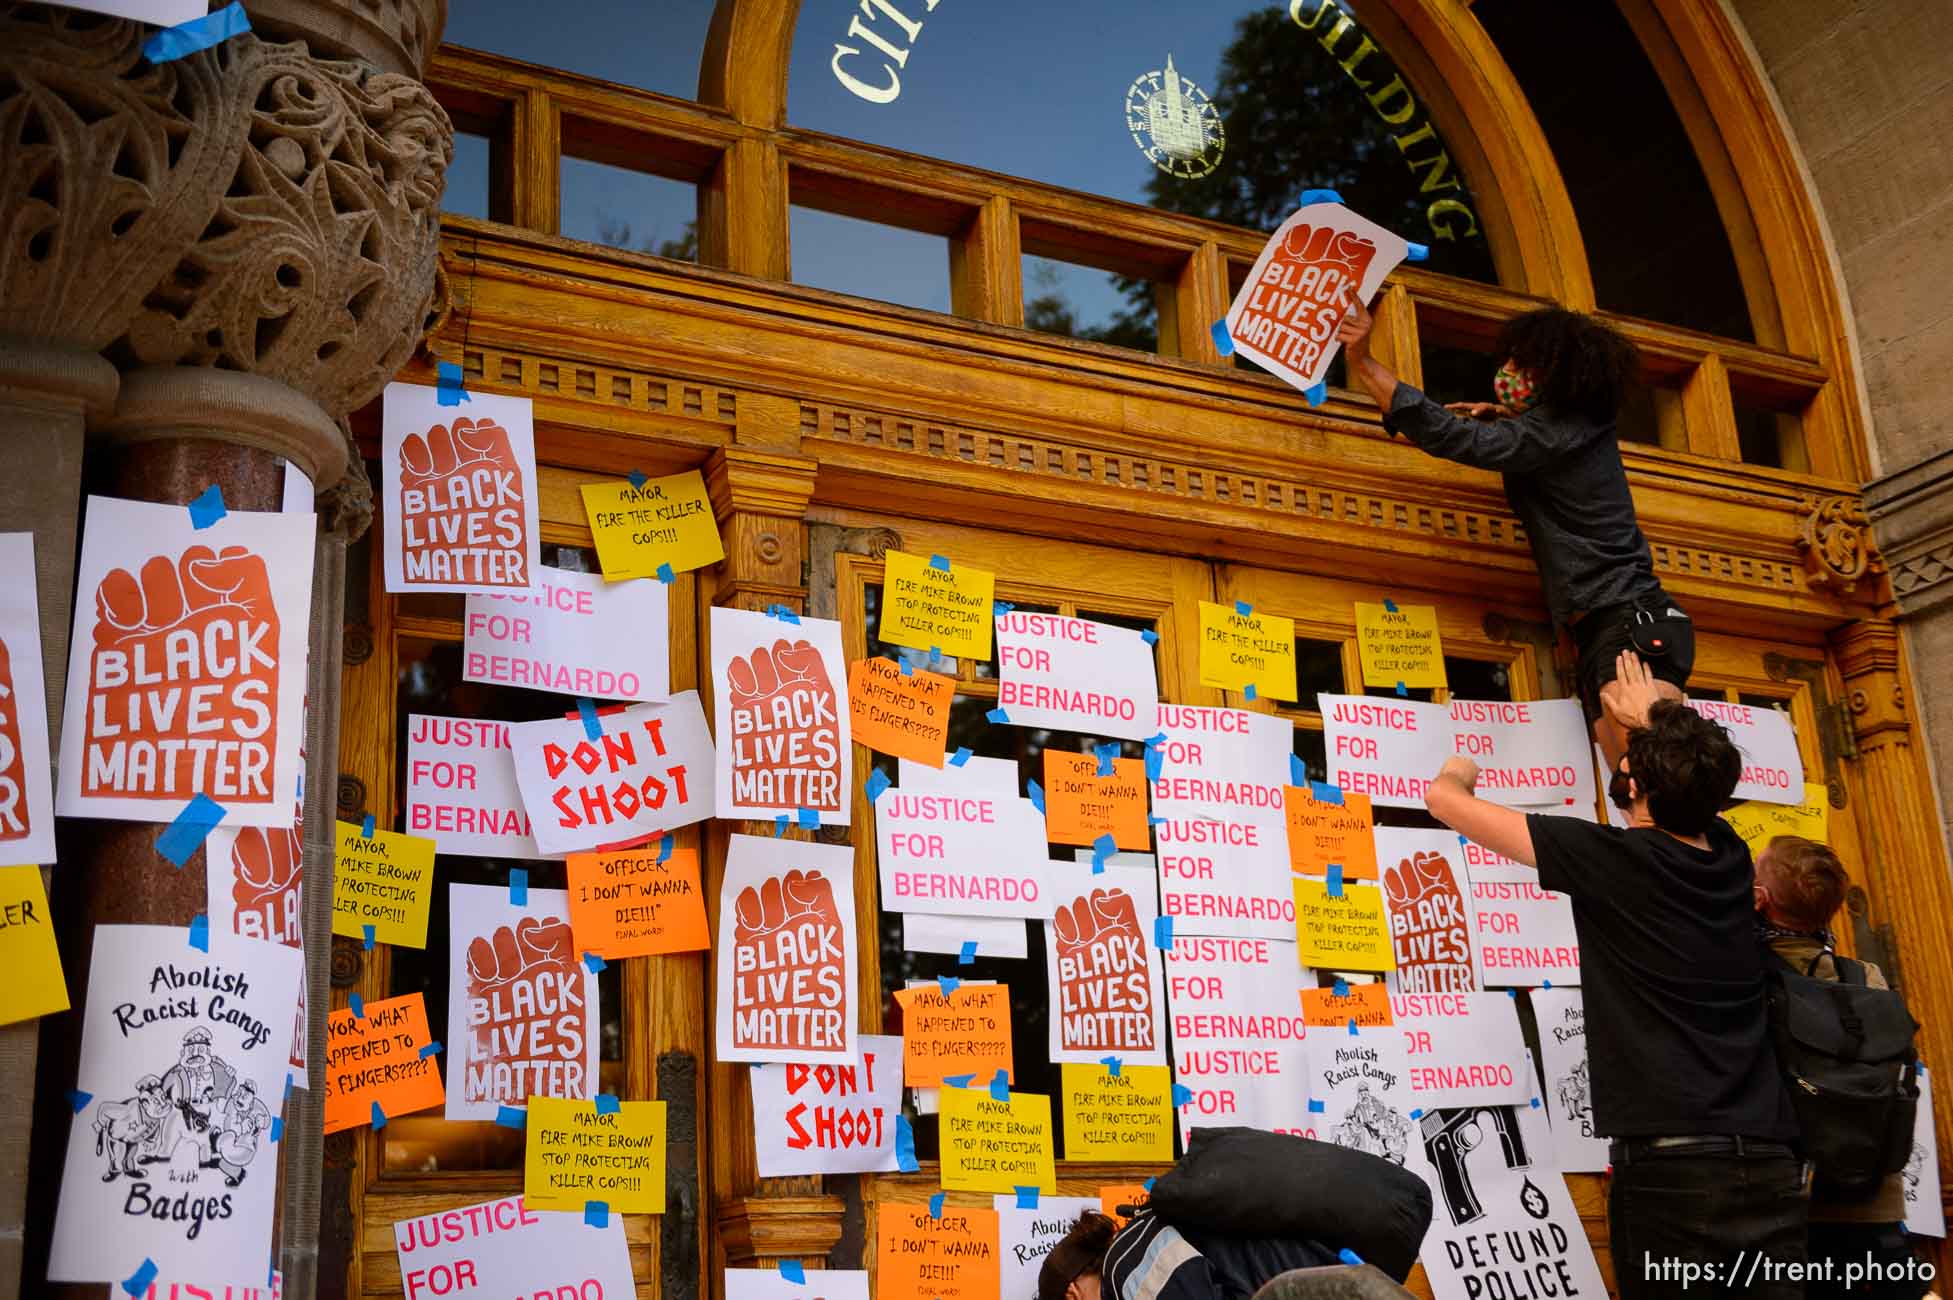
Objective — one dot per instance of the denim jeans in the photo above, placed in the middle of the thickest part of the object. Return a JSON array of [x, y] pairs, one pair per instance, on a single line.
[[1719, 1224]]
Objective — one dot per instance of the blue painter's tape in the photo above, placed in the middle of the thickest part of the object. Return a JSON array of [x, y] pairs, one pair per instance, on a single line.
[[287, 1095], [1027, 1198], [1223, 340], [908, 669], [1298, 771], [808, 819], [936, 1205], [1112, 1065], [784, 614], [137, 1283], [450, 388], [208, 508], [1102, 848], [596, 1214], [379, 1116], [999, 608], [1249, 694], [1335, 880], [958, 1080], [1352, 1027], [1417, 1114], [1350, 1257], [367, 827], [998, 716], [1546, 984], [1315, 1106], [935, 656], [939, 562], [1417, 252], [607, 1103], [1318, 196], [518, 886], [1535, 1103], [1390, 606], [1513, 994], [1341, 988], [905, 1145], [779, 826], [1401, 691], [511, 1117], [1155, 740], [200, 932], [1162, 932], [367, 937], [1037, 796], [79, 1099], [1156, 821], [1182, 1095], [1000, 1085], [593, 963], [638, 480], [960, 757], [1324, 792], [1243, 608], [593, 729], [358, 1004], [948, 984], [432, 1049], [1108, 752], [665, 847], [278, 1127], [1315, 394], [1155, 762], [966, 955], [185, 835], [877, 784], [173, 43], [794, 1271], [665, 575], [1149, 636]]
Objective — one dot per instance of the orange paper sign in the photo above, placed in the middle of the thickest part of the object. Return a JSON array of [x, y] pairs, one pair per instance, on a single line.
[[949, 1258], [1320, 833], [376, 1059], [903, 715], [1366, 1004], [635, 902], [1080, 805], [1130, 1195], [946, 1037]]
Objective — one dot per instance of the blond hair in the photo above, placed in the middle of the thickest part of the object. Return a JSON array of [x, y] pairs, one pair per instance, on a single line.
[[1806, 880]]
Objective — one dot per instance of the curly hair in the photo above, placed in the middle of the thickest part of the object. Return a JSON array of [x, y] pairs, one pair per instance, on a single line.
[[1080, 1253], [1577, 363], [1685, 765]]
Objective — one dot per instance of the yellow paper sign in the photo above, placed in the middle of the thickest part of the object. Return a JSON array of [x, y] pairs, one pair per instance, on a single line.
[[996, 1146], [948, 1036], [1128, 1117], [638, 530], [1247, 651], [34, 985], [375, 1059], [636, 902], [578, 1153], [1321, 833], [385, 881], [926, 607], [1399, 646], [1759, 823], [1080, 805], [1341, 933]]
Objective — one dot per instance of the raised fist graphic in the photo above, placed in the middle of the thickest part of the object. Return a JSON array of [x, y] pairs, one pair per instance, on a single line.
[[1106, 990], [783, 695], [511, 954], [1105, 912], [1343, 255], [185, 651], [13, 762], [461, 506], [781, 903], [529, 1024], [790, 990], [1427, 924], [267, 865]]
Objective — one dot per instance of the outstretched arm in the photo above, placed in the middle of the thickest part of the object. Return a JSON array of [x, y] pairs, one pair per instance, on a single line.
[[1451, 799]]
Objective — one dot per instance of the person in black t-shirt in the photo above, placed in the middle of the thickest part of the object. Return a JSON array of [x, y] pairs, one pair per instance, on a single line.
[[1562, 378], [1684, 1078]]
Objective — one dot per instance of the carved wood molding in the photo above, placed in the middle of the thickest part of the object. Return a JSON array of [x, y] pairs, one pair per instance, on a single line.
[[1868, 654], [757, 1231], [543, 376]]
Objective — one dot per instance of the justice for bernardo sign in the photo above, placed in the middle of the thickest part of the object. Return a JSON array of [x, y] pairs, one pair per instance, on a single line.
[[787, 952], [574, 634], [1773, 771], [506, 1248], [1070, 674], [950, 843], [459, 512], [1239, 1036], [461, 788], [1530, 753]]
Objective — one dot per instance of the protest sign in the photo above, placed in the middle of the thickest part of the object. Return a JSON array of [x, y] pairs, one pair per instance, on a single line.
[[1080, 805], [1222, 842], [1529, 752], [577, 1153], [1431, 919], [26, 775], [1071, 674], [829, 1119], [1504, 1231], [904, 715], [992, 1144], [377, 1058], [1465, 1049], [1398, 645], [273, 1288], [638, 530], [1384, 748], [1102, 967], [1342, 929], [34, 985], [461, 788], [1241, 650], [254, 882], [186, 674], [950, 1031], [1925, 1213], [1568, 1098], [1239, 1039], [1759, 823], [184, 1054], [1359, 1092], [647, 773], [951, 1256], [637, 902], [1526, 935], [1120, 1117], [1027, 1234], [942, 607], [1117, 1197], [987, 936], [161, 13], [1315, 265], [772, 1284], [787, 952], [573, 634], [783, 733], [953, 842], [511, 1249], [384, 881], [1326, 831], [522, 1009], [1367, 1004], [1773, 771], [458, 510]]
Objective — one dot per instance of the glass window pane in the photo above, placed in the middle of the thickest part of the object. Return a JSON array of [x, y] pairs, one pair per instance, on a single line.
[[1318, 668], [467, 184], [1312, 748], [1082, 303], [1478, 679], [1454, 373], [629, 209], [1226, 111], [650, 47], [870, 260]]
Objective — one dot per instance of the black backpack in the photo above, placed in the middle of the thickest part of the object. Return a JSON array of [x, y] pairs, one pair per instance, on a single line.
[[1848, 1060]]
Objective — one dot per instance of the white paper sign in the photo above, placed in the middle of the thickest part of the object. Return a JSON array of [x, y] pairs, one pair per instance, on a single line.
[[254, 880], [1071, 674], [1569, 1095], [1388, 749], [1773, 771], [505, 1248], [956, 844], [522, 1008], [1428, 896], [650, 771], [1526, 935], [994, 936], [1025, 1237], [1223, 839], [787, 952], [161, 13], [1361, 1081], [1529, 752], [1239, 1038], [461, 790], [1465, 1049], [1502, 1225], [458, 510], [186, 674], [1925, 1213], [829, 1119], [1101, 967], [167, 1289], [781, 709], [185, 1052], [821, 1284], [26, 773], [573, 634]]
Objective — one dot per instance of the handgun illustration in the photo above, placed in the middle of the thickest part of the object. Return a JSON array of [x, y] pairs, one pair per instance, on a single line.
[[1450, 1135]]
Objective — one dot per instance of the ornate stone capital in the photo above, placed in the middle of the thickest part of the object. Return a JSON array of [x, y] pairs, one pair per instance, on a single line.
[[1836, 541], [395, 36], [1912, 513]]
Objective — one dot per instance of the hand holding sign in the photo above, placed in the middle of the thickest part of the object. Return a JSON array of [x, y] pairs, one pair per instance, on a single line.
[[266, 864]]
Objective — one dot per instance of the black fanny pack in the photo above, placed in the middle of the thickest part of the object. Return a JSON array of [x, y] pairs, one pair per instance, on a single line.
[[1654, 629]]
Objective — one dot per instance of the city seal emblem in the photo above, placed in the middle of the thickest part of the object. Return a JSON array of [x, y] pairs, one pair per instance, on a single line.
[[1174, 123]]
